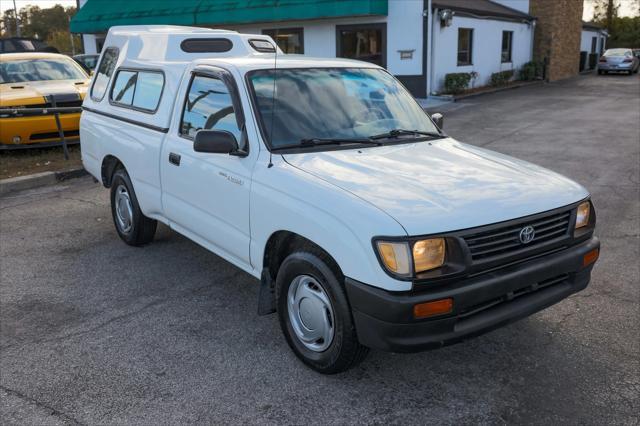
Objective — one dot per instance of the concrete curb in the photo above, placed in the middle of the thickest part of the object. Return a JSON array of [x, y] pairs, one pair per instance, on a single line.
[[497, 89], [36, 180]]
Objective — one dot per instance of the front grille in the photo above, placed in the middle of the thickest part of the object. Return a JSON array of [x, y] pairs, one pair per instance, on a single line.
[[476, 309], [502, 241], [54, 135], [75, 103]]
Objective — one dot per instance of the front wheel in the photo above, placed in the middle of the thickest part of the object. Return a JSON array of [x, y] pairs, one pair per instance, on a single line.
[[132, 226], [314, 314]]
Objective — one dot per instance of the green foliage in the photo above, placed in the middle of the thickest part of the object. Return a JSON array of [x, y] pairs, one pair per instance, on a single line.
[[625, 32], [456, 82], [501, 78], [530, 71], [50, 25]]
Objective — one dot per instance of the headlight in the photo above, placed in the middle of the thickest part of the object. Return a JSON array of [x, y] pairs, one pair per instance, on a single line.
[[428, 254], [582, 218], [395, 257], [402, 260]]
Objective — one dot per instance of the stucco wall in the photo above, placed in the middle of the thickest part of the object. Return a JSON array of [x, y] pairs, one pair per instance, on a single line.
[[486, 50], [404, 32], [585, 41]]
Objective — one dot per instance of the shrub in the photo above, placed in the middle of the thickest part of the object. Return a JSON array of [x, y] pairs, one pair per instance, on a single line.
[[501, 78], [530, 71], [456, 82]]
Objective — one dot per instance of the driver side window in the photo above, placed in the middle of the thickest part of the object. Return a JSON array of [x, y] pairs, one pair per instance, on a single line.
[[208, 106]]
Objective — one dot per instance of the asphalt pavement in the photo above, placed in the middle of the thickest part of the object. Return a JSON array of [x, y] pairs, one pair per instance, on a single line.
[[96, 332]]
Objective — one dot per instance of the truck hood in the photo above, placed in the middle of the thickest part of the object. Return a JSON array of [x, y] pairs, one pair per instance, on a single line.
[[443, 185], [33, 92]]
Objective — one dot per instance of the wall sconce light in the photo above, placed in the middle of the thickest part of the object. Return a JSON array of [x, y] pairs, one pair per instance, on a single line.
[[446, 16]]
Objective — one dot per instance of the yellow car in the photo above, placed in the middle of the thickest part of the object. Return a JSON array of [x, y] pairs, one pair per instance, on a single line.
[[34, 80]]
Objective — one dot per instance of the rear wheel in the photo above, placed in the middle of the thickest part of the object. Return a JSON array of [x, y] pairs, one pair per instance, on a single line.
[[314, 314], [132, 226]]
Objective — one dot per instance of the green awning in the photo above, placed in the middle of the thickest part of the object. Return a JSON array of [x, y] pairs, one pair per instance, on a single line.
[[97, 16]]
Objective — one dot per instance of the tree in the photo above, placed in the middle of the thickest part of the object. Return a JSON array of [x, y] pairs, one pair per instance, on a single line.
[[605, 11], [623, 31], [50, 25]]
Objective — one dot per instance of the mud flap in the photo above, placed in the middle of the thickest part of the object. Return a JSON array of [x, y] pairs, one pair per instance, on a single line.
[[267, 296]]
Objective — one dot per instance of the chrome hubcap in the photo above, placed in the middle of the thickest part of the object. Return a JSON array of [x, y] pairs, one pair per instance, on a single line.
[[310, 313], [124, 210]]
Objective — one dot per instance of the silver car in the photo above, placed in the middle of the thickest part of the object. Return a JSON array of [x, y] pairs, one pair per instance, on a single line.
[[618, 60]]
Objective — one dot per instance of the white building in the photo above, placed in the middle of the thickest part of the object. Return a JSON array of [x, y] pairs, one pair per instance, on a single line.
[[419, 41], [593, 41]]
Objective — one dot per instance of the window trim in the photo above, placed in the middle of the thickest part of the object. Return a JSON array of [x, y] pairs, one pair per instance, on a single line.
[[291, 30], [95, 78], [470, 63], [137, 71], [227, 79], [354, 27], [510, 58]]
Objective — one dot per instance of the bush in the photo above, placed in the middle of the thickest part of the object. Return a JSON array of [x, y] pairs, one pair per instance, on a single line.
[[456, 82], [501, 78], [530, 71]]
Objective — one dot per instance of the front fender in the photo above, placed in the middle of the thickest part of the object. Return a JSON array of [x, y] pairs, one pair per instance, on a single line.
[[284, 198]]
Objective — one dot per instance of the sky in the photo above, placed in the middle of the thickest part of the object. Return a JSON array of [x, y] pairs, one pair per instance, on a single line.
[[626, 6]]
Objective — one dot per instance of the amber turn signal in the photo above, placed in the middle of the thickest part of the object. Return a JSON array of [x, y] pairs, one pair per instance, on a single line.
[[430, 309], [590, 257]]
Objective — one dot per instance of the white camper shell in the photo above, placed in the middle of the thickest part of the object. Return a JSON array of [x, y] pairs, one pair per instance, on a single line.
[[367, 226]]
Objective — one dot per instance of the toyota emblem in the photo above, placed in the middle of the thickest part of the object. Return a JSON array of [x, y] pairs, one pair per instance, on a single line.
[[527, 234]]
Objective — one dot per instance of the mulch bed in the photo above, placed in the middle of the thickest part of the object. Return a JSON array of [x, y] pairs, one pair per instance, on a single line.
[[28, 161]]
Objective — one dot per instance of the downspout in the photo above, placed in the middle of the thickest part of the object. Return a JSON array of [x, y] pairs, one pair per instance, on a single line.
[[426, 39], [533, 38], [432, 14]]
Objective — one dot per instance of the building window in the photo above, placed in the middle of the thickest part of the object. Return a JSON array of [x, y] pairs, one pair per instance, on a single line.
[[465, 46], [601, 45], [362, 42], [507, 43], [594, 41], [290, 40]]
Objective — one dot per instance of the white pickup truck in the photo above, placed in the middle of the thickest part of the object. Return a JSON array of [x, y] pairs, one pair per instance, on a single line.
[[367, 226]]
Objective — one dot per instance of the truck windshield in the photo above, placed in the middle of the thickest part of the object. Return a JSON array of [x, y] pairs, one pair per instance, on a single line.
[[333, 104]]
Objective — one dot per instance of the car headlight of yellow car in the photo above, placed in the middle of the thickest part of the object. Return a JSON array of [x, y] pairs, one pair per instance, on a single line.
[[404, 259]]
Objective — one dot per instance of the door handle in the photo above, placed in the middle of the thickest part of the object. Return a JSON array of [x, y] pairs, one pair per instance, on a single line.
[[174, 158]]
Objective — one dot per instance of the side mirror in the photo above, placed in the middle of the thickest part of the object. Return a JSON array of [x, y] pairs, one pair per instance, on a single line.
[[438, 119], [215, 142]]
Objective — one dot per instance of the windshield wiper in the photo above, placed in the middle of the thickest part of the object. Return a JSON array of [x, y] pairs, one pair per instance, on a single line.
[[401, 132], [327, 141]]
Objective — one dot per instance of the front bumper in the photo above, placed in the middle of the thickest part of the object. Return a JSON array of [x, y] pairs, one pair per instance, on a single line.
[[384, 320], [40, 129]]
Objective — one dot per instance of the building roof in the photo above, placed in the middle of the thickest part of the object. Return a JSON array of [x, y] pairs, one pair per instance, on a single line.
[[482, 8], [591, 26], [98, 16]]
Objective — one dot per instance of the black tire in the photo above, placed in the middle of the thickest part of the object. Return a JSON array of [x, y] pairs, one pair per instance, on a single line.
[[344, 351], [600, 72], [141, 229]]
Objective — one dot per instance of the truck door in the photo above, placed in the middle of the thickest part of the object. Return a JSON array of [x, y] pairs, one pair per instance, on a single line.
[[206, 196]]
